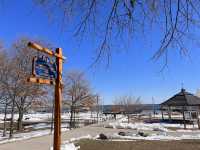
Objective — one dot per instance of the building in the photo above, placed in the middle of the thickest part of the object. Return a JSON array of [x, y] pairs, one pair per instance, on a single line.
[[185, 103]]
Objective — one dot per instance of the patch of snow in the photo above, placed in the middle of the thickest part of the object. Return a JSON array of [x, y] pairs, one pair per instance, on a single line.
[[162, 127], [157, 137], [137, 126], [28, 135], [36, 117], [81, 137], [24, 136], [182, 130], [68, 146]]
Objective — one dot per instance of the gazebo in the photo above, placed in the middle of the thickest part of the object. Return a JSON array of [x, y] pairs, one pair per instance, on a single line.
[[183, 102]]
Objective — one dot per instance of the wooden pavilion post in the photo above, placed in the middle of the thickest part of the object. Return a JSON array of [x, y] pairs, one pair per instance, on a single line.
[[169, 113], [198, 121], [183, 111], [162, 114]]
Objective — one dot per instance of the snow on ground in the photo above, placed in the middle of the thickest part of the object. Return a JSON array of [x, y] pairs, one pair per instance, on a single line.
[[68, 146], [123, 124], [137, 126], [156, 137], [27, 135], [149, 137], [79, 138], [158, 131], [23, 136], [42, 128], [181, 126], [36, 117]]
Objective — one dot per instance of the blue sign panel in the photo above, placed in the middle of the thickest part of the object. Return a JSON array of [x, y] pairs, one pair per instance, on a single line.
[[44, 67]]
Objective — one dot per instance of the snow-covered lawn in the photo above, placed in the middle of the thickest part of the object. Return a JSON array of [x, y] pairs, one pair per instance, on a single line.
[[69, 145], [123, 124], [153, 131], [137, 126], [36, 117], [23, 136], [151, 126], [42, 126], [27, 135], [159, 136]]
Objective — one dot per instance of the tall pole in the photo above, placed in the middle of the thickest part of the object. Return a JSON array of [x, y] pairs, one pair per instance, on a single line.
[[58, 99]]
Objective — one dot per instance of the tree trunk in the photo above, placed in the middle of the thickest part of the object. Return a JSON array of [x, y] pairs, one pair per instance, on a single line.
[[12, 119], [71, 117], [52, 118], [128, 118], [74, 119], [98, 116], [21, 110], [5, 118], [115, 117], [20, 121], [97, 109]]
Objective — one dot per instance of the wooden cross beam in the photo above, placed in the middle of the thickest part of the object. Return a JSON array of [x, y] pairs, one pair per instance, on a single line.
[[41, 81], [45, 50]]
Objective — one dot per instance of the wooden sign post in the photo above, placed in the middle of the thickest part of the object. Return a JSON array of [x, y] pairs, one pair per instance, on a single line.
[[58, 89], [58, 97]]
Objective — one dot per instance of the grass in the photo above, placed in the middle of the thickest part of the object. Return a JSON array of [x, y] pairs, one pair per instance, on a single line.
[[139, 145]]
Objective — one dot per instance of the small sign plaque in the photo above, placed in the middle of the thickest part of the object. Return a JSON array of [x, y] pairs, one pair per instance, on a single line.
[[44, 67]]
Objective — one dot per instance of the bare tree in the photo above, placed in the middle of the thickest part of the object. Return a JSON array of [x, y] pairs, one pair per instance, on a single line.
[[98, 104], [77, 91], [4, 96], [14, 74], [128, 104], [26, 92], [8, 84], [5, 101], [116, 20]]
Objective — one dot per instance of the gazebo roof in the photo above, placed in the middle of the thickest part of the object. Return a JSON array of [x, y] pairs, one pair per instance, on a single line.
[[183, 98]]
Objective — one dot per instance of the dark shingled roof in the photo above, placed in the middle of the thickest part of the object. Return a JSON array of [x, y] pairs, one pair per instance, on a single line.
[[183, 98]]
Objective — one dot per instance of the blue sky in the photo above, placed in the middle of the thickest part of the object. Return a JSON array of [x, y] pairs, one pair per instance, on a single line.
[[130, 71]]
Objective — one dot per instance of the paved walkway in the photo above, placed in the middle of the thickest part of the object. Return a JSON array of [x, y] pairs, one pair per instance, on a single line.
[[44, 142]]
